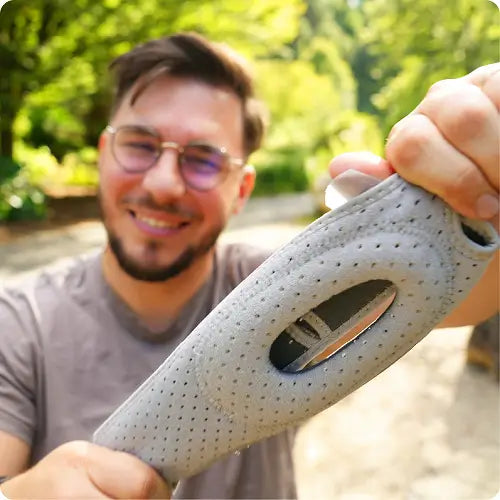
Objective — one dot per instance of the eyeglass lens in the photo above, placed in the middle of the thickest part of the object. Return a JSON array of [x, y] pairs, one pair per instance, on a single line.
[[202, 166]]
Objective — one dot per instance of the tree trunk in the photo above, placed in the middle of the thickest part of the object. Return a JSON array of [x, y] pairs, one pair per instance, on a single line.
[[6, 138], [10, 104]]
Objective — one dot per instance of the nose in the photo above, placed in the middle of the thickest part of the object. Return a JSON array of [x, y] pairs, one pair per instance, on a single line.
[[163, 180]]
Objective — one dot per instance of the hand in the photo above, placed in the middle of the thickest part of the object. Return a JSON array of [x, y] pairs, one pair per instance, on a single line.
[[449, 145], [84, 470]]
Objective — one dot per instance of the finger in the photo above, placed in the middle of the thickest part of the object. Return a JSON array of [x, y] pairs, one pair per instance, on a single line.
[[487, 78], [121, 475], [468, 120], [420, 154], [363, 161]]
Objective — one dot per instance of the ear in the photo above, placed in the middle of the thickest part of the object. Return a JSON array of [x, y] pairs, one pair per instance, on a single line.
[[101, 146], [102, 141], [247, 184]]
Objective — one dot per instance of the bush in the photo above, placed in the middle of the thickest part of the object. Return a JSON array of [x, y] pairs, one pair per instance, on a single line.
[[280, 171], [42, 169], [80, 168], [19, 199]]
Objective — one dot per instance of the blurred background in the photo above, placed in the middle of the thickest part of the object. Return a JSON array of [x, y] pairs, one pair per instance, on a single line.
[[335, 74]]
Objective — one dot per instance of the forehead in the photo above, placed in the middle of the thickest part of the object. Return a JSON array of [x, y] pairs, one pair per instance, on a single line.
[[184, 107]]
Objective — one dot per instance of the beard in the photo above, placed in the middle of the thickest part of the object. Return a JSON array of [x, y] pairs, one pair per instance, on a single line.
[[154, 273]]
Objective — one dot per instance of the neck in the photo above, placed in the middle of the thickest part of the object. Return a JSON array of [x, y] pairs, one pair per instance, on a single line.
[[157, 303]]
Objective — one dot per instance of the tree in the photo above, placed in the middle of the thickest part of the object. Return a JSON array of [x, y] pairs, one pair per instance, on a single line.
[[414, 44], [56, 52]]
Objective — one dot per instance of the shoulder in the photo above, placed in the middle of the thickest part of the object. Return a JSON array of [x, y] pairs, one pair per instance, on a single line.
[[243, 256], [235, 261], [26, 302]]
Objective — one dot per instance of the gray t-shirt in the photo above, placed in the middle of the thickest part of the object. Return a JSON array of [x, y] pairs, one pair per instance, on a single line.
[[71, 351]]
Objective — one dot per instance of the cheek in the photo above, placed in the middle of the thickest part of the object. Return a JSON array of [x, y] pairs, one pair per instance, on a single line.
[[115, 182], [217, 208]]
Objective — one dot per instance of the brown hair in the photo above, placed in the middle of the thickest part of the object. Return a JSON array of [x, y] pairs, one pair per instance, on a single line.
[[191, 55]]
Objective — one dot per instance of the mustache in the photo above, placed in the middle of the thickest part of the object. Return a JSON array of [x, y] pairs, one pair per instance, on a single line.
[[147, 201]]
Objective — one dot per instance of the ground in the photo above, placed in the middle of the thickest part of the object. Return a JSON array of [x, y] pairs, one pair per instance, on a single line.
[[427, 428]]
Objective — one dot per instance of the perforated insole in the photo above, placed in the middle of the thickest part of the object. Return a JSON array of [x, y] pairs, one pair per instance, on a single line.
[[223, 388]]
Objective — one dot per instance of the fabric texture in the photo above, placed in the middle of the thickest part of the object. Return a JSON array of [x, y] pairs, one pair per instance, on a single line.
[[71, 351], [222, 373]]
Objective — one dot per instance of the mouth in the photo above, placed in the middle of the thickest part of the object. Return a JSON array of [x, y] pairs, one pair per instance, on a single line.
[[157, 226]]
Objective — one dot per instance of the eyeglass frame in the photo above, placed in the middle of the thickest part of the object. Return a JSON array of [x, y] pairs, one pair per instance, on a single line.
[[163, 145]]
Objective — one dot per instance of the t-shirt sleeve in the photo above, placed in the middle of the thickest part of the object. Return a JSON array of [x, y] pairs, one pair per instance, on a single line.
[[240, 260], [17, 367]]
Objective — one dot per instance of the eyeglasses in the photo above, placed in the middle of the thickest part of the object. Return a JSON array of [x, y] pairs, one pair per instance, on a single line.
[[202, 166]]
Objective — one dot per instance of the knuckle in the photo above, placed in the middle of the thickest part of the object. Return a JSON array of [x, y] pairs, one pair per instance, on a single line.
[[494, 76], [78, 454], [74, 450], [440, 85], [461, 189], [470, 118], [71, 455], [408, 147], [482, 75]]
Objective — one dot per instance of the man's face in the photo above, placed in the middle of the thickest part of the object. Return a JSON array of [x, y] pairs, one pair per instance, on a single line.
[[157, 226]]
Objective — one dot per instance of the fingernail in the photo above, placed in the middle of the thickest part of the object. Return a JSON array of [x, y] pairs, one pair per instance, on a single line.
[[487, 206]]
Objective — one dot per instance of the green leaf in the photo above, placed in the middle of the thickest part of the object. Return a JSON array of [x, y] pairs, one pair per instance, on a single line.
[[8, 168]]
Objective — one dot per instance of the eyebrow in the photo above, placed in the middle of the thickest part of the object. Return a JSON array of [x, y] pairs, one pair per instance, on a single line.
[[165, 137], [155, 132]]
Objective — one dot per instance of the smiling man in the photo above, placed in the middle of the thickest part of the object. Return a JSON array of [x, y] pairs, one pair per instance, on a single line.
[[75, 344], [164, 204], [173, 170]]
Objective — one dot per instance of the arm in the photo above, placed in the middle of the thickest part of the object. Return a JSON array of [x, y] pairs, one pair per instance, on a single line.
[[481, 303], [14, 455], [449, 145], [74, 470]]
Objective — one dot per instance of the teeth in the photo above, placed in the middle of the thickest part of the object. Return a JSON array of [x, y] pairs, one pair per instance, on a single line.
[[158, 223]]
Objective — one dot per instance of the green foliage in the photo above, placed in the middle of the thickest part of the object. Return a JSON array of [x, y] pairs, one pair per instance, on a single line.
[[312, 102], [352, 131], [19, 199], [42, 169], [282, 172], [54, 94], [8, 168], [56, 53], [336, 75], [39, 165], [80, 168], [416, 44]]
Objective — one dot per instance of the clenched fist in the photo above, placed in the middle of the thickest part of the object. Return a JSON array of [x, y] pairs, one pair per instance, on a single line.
[[84, 470], [449, 145]]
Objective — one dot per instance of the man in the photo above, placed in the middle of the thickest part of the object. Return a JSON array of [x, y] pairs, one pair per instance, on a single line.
[[173, 170]]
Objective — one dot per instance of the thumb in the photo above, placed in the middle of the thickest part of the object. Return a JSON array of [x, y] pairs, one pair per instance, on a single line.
[[120, 475], [362, 161]]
